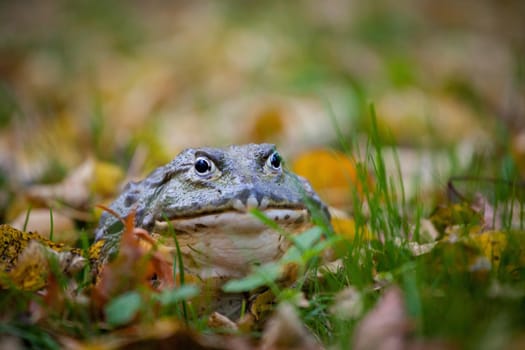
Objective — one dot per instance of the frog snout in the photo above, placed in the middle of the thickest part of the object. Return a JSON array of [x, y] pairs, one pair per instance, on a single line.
[[255, 198], [250, 199]]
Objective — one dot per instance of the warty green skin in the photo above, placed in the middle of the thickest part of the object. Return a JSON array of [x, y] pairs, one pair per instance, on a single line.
[[177, 190]]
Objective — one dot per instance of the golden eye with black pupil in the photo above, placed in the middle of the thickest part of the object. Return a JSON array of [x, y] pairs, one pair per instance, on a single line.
[[203, 166], [274, 161]]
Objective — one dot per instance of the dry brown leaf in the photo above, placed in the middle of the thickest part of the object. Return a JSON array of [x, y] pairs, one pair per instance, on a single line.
[[138, 261], [286, 331], [11, 342], [52, 303], [90, 177], [39, 220], [491, 219], [421, 248], [348, 304], [73, 190], [161, 334], [492, 216], [160, 259], [127, 271], [386, 326], [219, 321], [329, 268]]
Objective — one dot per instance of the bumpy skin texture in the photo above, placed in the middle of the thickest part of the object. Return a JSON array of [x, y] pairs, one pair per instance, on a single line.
[[177, 190]]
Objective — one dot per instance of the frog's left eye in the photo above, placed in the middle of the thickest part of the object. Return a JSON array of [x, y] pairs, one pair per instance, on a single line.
[[204, 166], [274, 161]]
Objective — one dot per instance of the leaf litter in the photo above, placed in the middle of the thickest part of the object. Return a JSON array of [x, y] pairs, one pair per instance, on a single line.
[[460, 257]]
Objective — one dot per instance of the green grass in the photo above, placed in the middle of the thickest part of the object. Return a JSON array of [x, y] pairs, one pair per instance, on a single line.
[[444, 298]]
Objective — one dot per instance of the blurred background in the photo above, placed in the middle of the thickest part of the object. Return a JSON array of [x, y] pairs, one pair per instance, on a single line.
[[134, 82]]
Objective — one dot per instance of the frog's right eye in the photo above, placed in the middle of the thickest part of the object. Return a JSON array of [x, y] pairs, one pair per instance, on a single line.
[[204, 166]]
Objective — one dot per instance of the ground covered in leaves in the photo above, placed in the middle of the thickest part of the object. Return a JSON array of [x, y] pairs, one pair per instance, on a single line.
[[407, 117]]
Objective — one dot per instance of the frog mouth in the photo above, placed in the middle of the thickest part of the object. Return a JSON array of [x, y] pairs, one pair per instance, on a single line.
[[236, 222]]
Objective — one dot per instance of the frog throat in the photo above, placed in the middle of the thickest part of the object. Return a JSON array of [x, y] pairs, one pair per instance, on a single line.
[[228, 244]]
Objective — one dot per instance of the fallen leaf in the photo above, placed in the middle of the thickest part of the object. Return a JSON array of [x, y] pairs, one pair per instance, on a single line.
[[106, 178], [25, 255], [495, 214], [39, 220], [219, 321], [333, 175], [89, 178], [329, 268], [346, 228], [30, 270], [490, 218], [348, 304], [386, 326], [285, 330], [160, 334], [74, 190], [160, 257], [141, 262], [517, 147], [11, 342], [261, 304], [491, 245], [126, 272], [268, 126], [53, 301], [421, 248], [456, 219]]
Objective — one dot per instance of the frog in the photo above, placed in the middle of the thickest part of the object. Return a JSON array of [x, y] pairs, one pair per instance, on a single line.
[[207, 196]]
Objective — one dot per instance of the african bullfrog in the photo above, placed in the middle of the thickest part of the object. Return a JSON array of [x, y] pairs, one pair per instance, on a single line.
[[206, 196]]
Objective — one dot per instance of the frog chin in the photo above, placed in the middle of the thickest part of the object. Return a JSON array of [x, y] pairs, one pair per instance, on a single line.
[[230, 243]]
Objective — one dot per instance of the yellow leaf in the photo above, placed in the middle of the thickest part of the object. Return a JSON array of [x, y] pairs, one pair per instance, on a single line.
[[346, 228], [262, 304], [456, 220], [491, 245], [24, 258], [107, 178], [31, 270]]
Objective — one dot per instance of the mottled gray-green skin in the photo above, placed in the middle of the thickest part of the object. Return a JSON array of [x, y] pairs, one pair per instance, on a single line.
[[177, 190]]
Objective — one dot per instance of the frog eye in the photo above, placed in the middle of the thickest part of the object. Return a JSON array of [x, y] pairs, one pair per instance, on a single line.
[[204, 166], [274, 161]]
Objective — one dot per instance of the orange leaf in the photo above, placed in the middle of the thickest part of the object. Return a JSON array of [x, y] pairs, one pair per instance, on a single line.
[[127, 271], [141, 260], [332, 174], [268, 125]]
